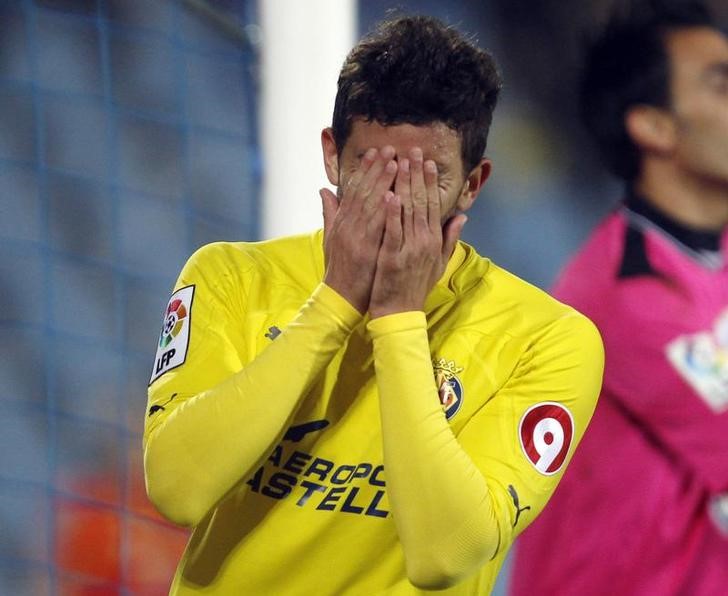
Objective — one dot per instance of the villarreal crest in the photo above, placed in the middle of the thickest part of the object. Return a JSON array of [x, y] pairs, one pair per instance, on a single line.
[[449, 387]]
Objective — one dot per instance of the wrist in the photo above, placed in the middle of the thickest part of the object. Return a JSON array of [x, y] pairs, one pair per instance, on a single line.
[[338, 306], [377, 312], [344, 292]]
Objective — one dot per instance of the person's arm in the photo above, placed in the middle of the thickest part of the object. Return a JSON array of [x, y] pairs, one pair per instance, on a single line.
[[451, 497], [448, 496], [213, 418], [440, 501], [198, 445]]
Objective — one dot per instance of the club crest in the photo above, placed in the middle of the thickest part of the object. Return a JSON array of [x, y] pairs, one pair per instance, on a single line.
[[449, 387]]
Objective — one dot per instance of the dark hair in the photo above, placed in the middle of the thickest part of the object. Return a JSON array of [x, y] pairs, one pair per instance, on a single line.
[[416, 70], [628, 65]]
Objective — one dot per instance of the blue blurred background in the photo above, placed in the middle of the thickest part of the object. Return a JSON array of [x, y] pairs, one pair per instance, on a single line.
[[129, 136]]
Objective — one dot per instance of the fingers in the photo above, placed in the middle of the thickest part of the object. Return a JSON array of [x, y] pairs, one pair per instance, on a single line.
[[433, 197], [402, 183], [392, 240], [367, 196], [352, 184], [418, 188], [377, 180], [364, 191], [403, 190]]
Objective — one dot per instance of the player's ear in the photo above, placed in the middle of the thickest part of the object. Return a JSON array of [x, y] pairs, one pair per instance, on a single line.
[[651, 128], [331, 155], [473, 183]]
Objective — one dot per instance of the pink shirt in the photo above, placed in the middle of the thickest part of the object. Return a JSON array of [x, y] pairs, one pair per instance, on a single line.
[[641, 509]]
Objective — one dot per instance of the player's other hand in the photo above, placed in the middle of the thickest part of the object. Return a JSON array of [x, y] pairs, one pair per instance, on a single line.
[[415, 247], [354, 226]]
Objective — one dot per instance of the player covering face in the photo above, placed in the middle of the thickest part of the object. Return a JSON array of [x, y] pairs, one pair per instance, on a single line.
[[402, 192], [372, 408]]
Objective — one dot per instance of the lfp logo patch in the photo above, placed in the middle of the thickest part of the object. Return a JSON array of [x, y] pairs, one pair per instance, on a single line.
[[175, 336], [449, 387], [546, 431], [174, 322]]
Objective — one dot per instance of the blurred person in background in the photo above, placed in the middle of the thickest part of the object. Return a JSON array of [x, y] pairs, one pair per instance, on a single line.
[[643, 508], [290, 372]]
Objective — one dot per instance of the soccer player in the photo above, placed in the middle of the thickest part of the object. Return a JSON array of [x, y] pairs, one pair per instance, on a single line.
[[372, 408], [643, 508]]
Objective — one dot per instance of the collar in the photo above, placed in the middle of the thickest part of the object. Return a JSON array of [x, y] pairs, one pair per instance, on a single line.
[[445, 288], [699, 241]]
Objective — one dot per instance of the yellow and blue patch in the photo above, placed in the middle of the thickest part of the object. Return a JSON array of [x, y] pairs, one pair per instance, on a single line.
[[449, 386]]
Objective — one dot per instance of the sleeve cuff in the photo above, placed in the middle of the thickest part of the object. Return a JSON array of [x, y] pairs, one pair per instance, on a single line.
[[397, 322], [337, 305]]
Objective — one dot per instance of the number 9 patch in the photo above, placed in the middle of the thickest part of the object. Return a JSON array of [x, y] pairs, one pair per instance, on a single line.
[[546, 431]]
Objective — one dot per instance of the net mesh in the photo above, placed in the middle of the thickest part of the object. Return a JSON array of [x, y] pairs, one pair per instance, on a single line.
[[127, 140]]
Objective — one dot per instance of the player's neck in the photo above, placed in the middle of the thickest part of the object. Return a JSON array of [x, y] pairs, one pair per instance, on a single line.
[[693, 202]]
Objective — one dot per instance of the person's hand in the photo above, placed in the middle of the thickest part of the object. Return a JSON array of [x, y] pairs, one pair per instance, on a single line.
[[415, 247], [353, 226]]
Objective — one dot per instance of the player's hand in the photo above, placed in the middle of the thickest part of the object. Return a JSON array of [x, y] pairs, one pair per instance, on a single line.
[[415, 247], [354, 226]]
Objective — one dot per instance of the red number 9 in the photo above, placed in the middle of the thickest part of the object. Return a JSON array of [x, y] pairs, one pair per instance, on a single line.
[[546, 431]]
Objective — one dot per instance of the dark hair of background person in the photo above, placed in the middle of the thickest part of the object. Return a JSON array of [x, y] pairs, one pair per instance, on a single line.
[[416, 70], [626, 65]]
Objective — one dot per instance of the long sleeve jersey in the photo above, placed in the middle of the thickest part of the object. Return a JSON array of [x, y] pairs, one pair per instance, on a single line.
[[316, 451], [643, 507]]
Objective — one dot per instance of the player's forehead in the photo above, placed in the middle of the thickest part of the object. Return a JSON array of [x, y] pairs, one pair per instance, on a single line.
[[696, 54], [437, 140]]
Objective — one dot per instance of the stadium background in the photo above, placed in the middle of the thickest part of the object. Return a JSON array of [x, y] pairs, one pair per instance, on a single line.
[[130, 135]]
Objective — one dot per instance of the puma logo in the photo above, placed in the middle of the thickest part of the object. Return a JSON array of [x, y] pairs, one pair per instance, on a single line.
[[519, 509], [155, 408], [296, 433]]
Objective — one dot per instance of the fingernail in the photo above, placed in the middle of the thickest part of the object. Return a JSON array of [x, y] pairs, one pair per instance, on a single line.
[[416, 154], [371, 153], [430, 167], [391, 167], [404, 165]]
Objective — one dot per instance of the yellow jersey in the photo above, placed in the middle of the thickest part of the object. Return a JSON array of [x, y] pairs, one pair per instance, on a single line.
[[273, 405]]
